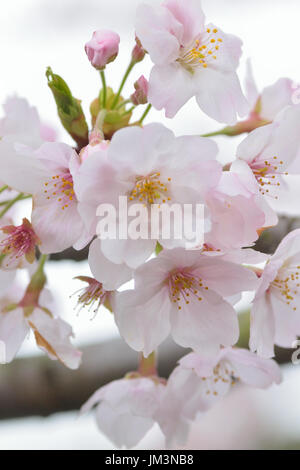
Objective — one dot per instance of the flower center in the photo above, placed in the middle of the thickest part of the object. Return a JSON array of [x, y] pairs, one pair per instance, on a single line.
[[183, 286], [288, 286], [92, 296], [267, 173], [223, 373], [202, 52], [19, 241], [150, 189], [60, 188]]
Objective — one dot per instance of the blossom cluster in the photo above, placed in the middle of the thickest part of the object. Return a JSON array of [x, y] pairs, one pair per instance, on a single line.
[[189, 294]]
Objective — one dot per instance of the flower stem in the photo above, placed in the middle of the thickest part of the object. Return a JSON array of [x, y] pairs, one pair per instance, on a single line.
[[129, 68], [11, 203], [140, 122], [120, 105], [219, 132], [100, 121], [3, 189], [104, 88], [128, 111], [147, 365], [42, 261]]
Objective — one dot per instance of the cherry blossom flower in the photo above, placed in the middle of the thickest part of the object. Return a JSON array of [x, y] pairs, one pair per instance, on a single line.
[[127, 408], [190, 59], [21, 124], [236, 210], [147, 167], [271, 150], [103, 48], [18, 244], [271, 100], [274, 315], [198, 382], [183, 293], [48, 174], [18, 318]]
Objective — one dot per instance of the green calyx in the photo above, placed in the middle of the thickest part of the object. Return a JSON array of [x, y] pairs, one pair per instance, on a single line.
[[114, 118], [69, 108]]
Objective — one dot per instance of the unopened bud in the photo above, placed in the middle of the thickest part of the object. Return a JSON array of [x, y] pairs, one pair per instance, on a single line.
[[102, 48], [140, 96], [138, 52]]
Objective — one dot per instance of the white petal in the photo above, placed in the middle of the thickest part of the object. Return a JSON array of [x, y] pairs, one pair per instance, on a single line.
[[143, 322], [170, 87], [204, 325], [111, 275], [53, 336], [13, 330], [262, 328], [220, 96], [159, 33]]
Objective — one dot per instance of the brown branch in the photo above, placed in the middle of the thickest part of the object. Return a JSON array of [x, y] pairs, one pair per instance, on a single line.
[[38, 386]]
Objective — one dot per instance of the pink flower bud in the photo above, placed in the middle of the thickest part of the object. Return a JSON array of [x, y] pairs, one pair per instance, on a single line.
[[140, 96], [138, 52], [102, 48], [96, 144]]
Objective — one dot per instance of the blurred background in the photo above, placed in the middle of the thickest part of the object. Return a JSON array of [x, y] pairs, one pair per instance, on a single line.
[[38, 398]]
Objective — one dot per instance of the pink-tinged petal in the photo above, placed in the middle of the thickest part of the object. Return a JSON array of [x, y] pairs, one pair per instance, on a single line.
[[56, 228], [224, 277], [143, 322], [262, 327], [205, 325], [220, 96], [242, 256], [199, 169], [20, 169], [159, 32], [287, 323], [21, 121], [188, 13], [131, 252], [286, 149], [251, 89], [123, 429], [254, 144], [235, 222], [246, 183], [13, 331], [203, 366], [53, 336], [111, 275], [127, 408], [138, 150], [252, 369], [55, 156], [276, 97], [229, 52], [170, 87], [48, 133], [180, 388], [288, 247], [6, 279]]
